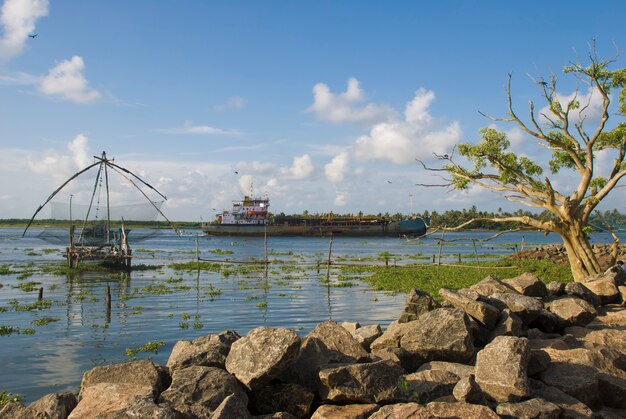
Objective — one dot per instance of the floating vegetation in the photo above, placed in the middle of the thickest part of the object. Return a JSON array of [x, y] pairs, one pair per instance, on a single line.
[[37, 305], [28, 286], [194, 266], [262, 304], [220, 252], [44, 321], [185, 316], [174, 280], [183, 325], [24, 275], [157, 289], [198, 325], [7, 330], [6, 270], [148, 347]]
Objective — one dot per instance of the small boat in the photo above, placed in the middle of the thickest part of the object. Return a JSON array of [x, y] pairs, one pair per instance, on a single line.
[[251, 217]]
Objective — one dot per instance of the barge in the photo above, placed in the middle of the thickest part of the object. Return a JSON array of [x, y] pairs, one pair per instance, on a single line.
[[251, 217]]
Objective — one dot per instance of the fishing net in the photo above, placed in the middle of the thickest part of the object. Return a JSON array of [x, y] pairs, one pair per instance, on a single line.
[[91, 222]]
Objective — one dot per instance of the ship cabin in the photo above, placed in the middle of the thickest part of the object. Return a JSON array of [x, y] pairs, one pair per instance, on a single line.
[[250, 210]]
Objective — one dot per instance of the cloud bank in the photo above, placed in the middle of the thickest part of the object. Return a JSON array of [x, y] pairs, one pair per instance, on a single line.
[[17, 19]]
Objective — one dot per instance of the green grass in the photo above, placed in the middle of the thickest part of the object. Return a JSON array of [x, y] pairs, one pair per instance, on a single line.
[[6, 398], [430, 278]]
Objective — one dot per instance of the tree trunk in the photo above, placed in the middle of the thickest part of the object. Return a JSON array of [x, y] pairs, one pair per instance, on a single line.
[[582, 260]]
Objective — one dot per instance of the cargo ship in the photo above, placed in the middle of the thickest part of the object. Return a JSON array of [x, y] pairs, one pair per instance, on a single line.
[[251, 217]]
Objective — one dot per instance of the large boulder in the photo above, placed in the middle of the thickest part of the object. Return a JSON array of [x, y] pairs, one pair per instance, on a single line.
[[375, 382], [281, 397], [610, 338], [197, 391], [576, 289], [579, 381], [54, 405], [491, 285], [459, 410], [484, 313], [142, 373], [612, 391], [417, 303], [402, 410], [501, 369], [528, 284], [365, 335], [393, 335], [467, 391], [208, 351], [533, 408], [527, 308], [443, 334], [570, 406], [605, 289], [349, 411], [508, 324], [327, 344], [460, 370], [572, 311], [104, 398], [232, 406], [426, 386], [262, 355]]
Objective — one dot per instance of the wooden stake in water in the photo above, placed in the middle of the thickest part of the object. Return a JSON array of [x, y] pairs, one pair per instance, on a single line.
[[265, 240], [107, 302], [330, 251], [40, 294], [197, 253]]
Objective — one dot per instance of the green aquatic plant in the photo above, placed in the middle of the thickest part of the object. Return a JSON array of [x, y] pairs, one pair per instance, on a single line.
[[221, 252], [152, 346], [44, 321], [6, 270], [8, 330], [6, 398], [262, 304], [28, 286]]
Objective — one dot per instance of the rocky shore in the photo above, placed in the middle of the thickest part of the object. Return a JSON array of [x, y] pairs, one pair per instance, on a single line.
[[511, 348]]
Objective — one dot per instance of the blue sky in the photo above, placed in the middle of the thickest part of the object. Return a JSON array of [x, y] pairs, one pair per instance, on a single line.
[[323, 105]]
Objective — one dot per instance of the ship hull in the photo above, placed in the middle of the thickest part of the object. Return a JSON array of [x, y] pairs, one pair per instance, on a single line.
[[412, 228]]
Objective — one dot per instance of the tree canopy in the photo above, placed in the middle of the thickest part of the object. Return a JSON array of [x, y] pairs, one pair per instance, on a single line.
[[573, 137]]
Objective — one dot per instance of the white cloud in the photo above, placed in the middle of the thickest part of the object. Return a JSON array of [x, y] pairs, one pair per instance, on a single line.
[[233, 102], [19, 79], [80, 151], [337, 169], [191, 129], [67, 81], [417, 136], [344, 107], [246, 184], [18, 18], [340, 200], [301, 168]]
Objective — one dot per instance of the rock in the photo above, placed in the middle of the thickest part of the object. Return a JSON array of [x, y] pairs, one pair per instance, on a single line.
[[509, 324], [610, 413], [611, 338], [417, 303], [392, 336], [198, 391], [491, 285], [350, 411], [467, 391], [443, 334], [281, 397], [605, 289], [398, 355], [366, 335], [102, 398], [555, 288], [142, 373], [527, 308], [232, 407], [402, 410], [54, 405], [612, 391], [327, 344], [576, 289], [599, 358], [579, 381], [547, 322], [13, 410], [615, 275], [539, 361], [484, 313], [351, 327], [461, 370], [622, 293], [208, 351], [143, 408], [459, 410], [572, 311], [501, 369], [375, 382], [263, 354], [472, 295], [426, 386], [533, 408], [528, 284], [570, 406]]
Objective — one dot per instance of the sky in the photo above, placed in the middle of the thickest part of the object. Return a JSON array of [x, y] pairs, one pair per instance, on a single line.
[[323, 105]]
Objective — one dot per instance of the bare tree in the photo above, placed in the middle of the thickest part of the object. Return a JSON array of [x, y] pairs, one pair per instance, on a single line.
[[572, 146]]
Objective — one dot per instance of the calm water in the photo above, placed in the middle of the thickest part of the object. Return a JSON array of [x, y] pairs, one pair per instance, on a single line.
[[166, 305]]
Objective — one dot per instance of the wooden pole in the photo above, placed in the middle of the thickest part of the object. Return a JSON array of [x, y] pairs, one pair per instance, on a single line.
[[197, 253], [107, 302], [40, 294]]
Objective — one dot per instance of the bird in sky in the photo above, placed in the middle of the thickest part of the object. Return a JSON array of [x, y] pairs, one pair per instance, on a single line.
[[388, 181], [236, 172], [34, 35]]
